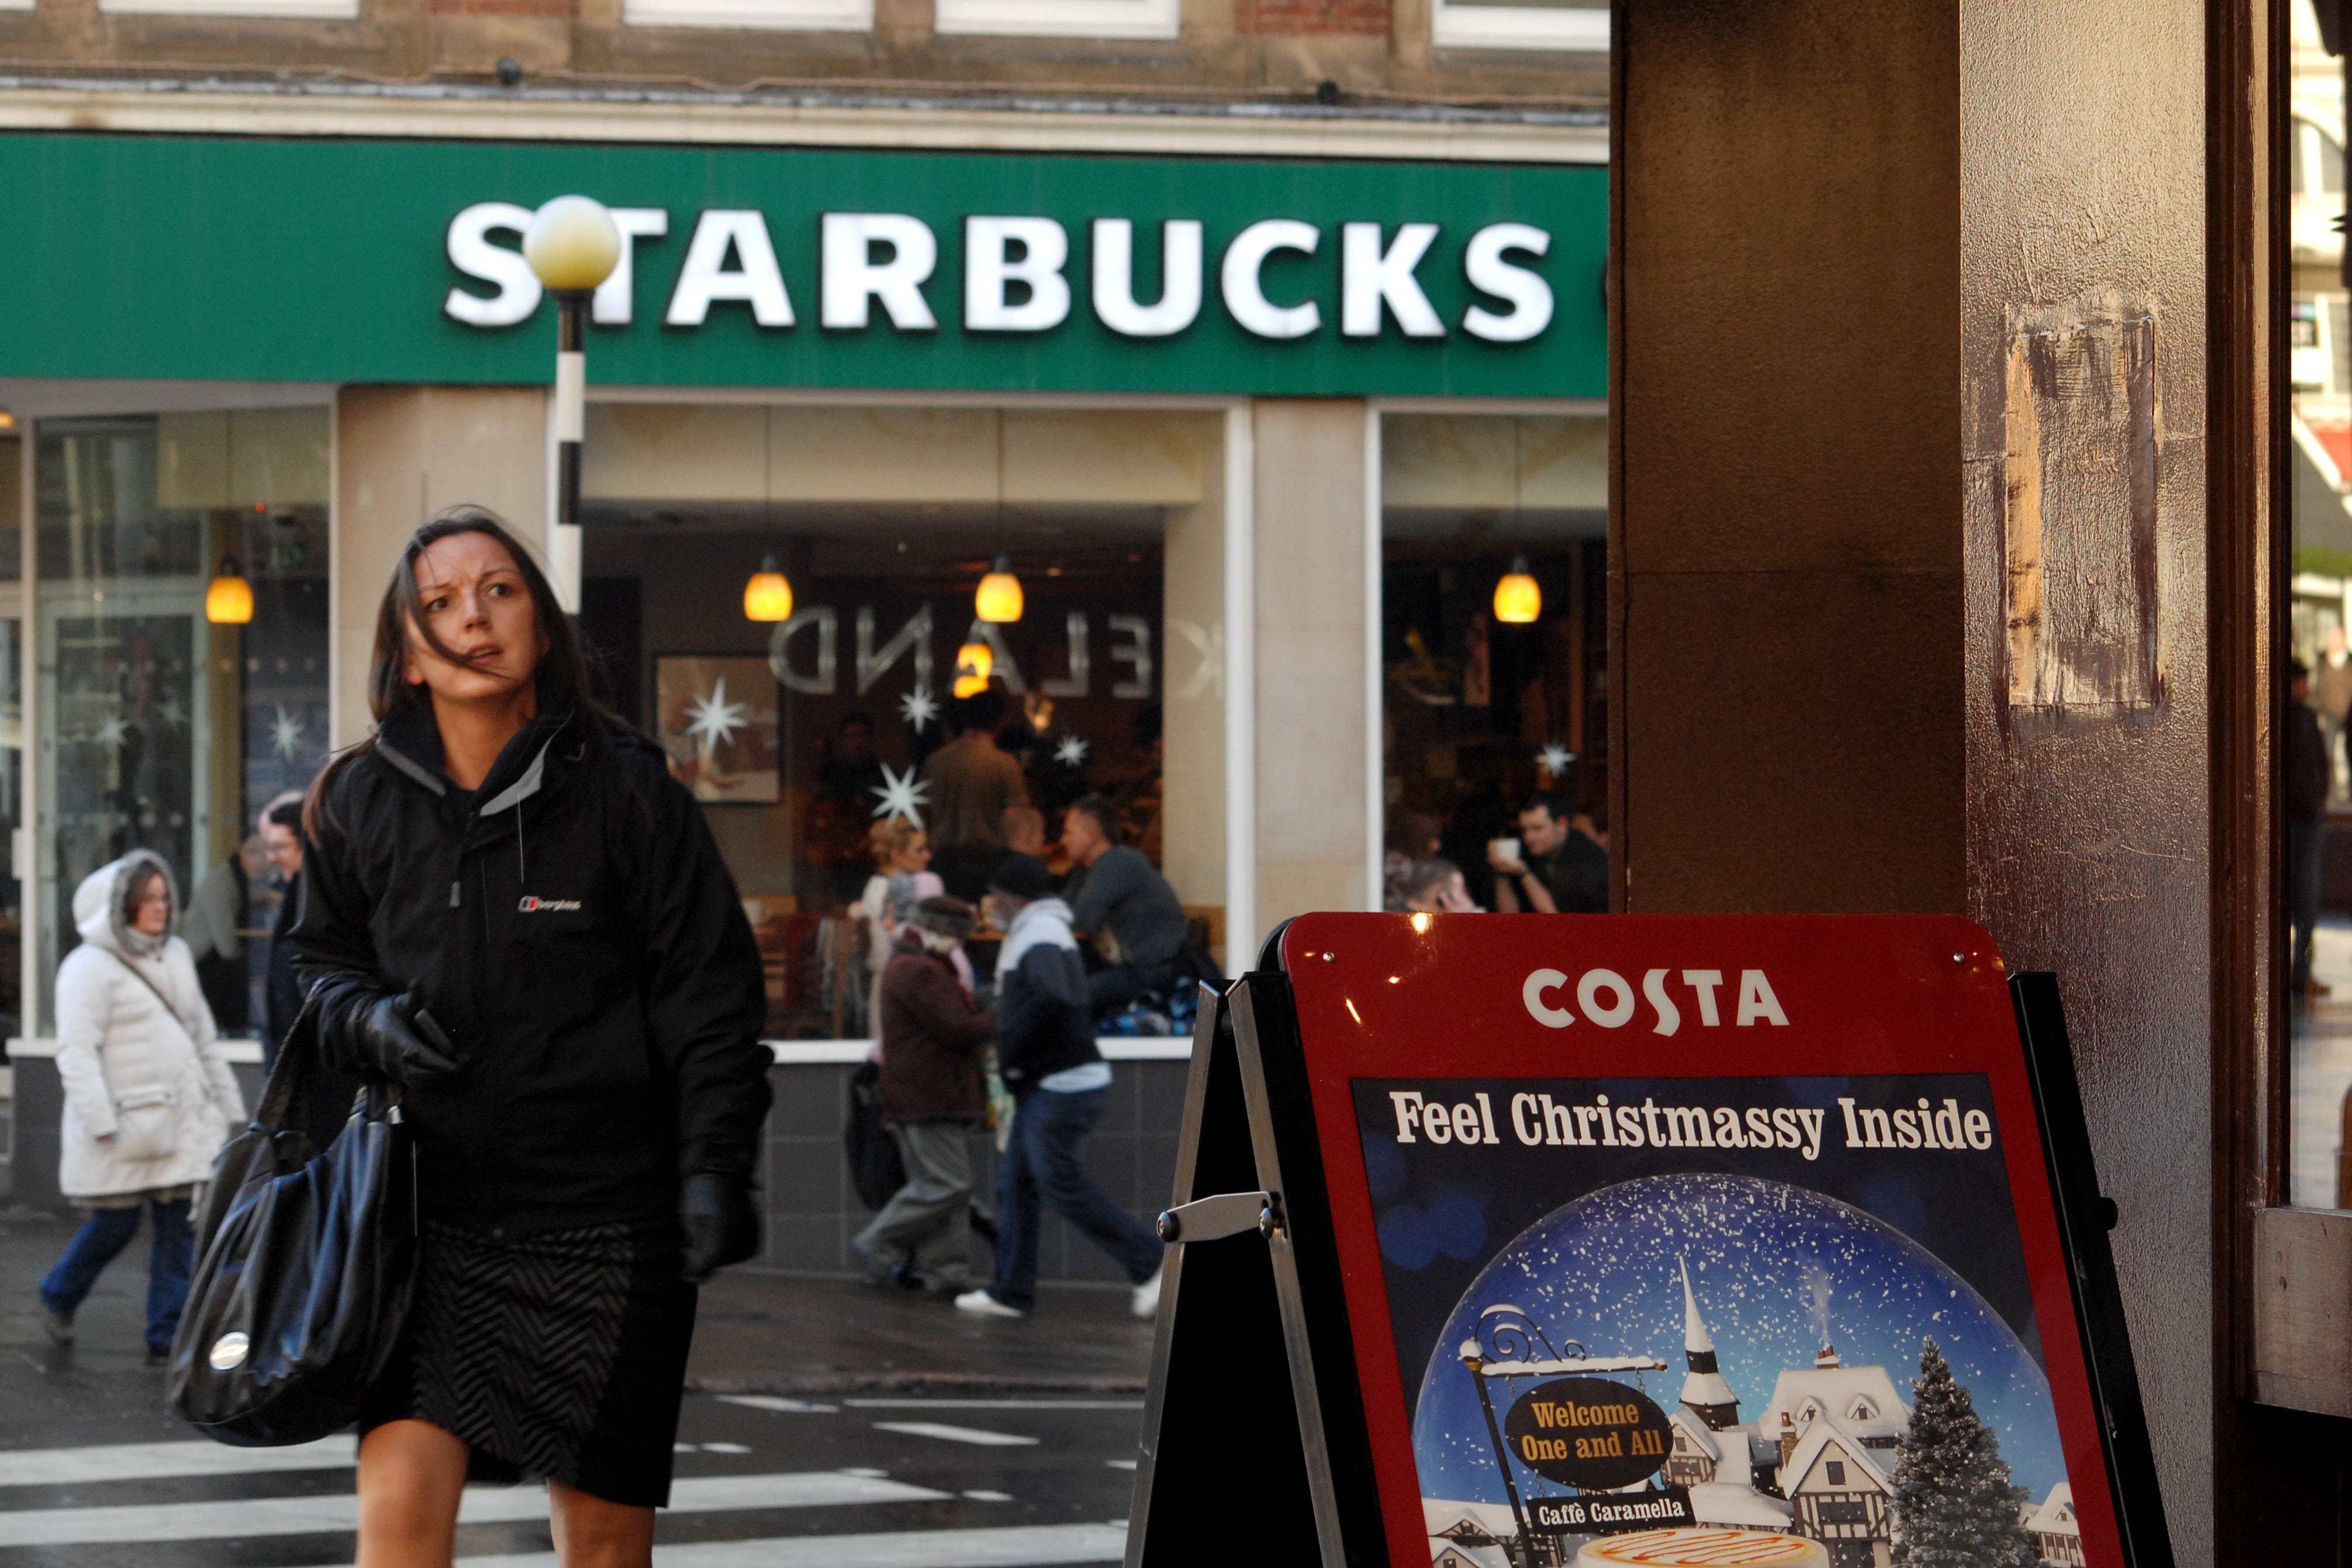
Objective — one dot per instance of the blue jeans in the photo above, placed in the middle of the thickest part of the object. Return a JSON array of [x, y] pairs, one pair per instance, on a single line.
[[171, 1260], [1046, 1158]]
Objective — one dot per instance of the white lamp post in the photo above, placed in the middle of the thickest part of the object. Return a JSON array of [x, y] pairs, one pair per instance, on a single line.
[[573, 244]]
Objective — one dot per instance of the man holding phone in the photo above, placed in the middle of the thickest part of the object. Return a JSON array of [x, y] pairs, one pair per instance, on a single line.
[[1551, 869]]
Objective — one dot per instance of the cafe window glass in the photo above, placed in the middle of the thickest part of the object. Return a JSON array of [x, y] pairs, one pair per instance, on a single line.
[[181, 593], [2319, 610], [12, 736], [1494, 673], [801, 735]]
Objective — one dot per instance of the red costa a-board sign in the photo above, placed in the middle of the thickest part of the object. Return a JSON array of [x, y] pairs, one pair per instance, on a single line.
[[1513, 1242]]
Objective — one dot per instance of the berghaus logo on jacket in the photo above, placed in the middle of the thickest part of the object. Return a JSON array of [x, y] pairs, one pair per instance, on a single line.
[[533, 904]]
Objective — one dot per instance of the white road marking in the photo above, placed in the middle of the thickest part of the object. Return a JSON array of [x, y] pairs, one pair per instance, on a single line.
[[1120, 1464], [994, 1403], [152, 1461], [1016, 1546], [770, 1402], [482, 1505], [956, 1434], [983, 1495]]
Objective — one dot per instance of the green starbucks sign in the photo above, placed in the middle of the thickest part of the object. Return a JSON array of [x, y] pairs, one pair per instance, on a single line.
[[316, 260]]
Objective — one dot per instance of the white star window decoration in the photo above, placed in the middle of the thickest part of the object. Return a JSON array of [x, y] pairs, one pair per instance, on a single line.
[[712, 720], [1555, 759], [286, 733], [919, 708], [113, 732], [1071, 753], [902, 795]]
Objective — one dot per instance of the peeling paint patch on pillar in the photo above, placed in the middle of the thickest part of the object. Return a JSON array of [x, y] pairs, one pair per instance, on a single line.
[[2078, 515]]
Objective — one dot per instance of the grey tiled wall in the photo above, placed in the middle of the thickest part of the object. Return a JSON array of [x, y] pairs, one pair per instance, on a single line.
[[812, 1210]]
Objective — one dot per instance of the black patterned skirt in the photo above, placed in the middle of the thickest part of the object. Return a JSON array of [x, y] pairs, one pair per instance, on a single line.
[[558, 1357]]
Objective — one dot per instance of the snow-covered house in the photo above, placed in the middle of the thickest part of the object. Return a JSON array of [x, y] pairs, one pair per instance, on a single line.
[[1697, 1452], [1729, 1505], [2056, 1534], [1861, 1399], [1476, 1535], [1838, 1492]]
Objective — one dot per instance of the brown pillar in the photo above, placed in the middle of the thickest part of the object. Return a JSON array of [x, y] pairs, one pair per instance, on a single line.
[[1785, 554], [1910, 538]]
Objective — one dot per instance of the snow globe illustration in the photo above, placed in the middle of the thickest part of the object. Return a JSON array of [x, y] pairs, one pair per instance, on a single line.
[[1779, 1331]]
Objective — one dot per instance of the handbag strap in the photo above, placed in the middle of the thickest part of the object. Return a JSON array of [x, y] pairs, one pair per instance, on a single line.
[[140, 975]]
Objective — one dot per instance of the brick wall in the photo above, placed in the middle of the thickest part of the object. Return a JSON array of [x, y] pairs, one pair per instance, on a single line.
[[1318, 17]]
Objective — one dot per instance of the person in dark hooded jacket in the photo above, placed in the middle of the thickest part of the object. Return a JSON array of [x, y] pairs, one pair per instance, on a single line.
[[511, 912], [1045, 1049], [934, 1090]]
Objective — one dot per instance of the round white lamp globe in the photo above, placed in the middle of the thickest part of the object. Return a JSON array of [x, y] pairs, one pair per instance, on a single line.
[[573, 244]]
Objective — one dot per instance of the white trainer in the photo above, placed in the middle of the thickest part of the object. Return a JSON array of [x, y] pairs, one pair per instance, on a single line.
[[980, 1304], [1147, 1295]]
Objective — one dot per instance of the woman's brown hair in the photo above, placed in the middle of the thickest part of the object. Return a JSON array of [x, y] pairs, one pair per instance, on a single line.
[[561, 674]]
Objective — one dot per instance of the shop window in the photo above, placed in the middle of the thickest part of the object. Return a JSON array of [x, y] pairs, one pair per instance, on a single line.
[[2319, 615], [11, 733], [160, 726], [803, 16], [1492, 654], [802, 735], [1520, 25], [299, 10], [1062, 18]]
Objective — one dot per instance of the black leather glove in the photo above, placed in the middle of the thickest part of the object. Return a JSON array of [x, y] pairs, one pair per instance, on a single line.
[[722, 1224], [399, 1041]]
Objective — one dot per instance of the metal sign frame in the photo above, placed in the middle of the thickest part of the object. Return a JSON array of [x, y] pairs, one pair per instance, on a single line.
[[1274, 1350]]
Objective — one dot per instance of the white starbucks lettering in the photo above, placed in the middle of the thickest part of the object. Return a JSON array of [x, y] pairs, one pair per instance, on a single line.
[[1244, 289], [884, 257], [1000, 254], [705, 279], [472, 253]]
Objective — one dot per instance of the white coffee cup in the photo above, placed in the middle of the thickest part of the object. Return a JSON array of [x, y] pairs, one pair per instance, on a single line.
[[1504, 849]]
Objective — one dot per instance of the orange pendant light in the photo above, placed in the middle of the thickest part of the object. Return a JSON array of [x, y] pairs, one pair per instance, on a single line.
[[229, 602], [1517, 600], [999, 599], [767, 596]]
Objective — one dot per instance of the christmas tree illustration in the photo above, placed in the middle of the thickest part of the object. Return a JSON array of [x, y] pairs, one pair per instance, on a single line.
[[1954, 1506]]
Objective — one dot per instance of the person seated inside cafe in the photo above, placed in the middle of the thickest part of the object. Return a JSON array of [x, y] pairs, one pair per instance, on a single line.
[[1553, 868], [1120, 902]]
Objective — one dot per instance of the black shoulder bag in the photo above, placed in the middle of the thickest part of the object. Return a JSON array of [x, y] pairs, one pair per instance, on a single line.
[[305, 1265]]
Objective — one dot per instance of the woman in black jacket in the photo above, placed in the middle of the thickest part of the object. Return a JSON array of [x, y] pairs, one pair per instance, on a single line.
[[511, 912]]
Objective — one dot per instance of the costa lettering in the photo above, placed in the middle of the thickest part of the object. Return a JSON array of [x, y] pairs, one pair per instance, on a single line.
[[1607, 998]]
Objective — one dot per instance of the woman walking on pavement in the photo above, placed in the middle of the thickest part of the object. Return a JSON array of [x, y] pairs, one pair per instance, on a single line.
[[512, 912], [933, 1090], [149, 1099]]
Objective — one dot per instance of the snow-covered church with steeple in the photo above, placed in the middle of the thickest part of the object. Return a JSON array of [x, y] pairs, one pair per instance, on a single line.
[[1819, 1460]]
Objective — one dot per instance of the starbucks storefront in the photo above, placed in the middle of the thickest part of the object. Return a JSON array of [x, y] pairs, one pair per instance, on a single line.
[[1254, 442]]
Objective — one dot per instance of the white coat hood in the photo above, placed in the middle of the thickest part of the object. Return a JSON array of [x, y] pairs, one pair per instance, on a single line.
[[149, 1095], [1043, 922], [98, 906]]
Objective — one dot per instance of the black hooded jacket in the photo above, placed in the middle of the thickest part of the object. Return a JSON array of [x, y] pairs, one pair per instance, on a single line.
[[577, 934]]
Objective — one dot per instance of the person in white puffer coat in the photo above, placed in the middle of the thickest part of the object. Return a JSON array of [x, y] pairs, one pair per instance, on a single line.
[[149, 1097]]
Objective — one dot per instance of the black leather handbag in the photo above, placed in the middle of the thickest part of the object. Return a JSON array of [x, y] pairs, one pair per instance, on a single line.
[[305, 1265]]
